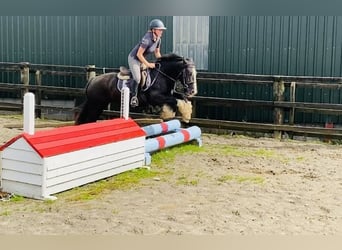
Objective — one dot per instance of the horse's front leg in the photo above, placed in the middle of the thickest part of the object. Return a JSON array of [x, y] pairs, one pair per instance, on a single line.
[[168, 105], [185, 109], [171, 106], [167, 112]]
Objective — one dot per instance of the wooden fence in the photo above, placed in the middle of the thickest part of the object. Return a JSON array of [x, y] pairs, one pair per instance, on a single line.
[[30, 76]]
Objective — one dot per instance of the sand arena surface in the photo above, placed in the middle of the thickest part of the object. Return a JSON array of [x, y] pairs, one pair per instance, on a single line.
[[236, 185]]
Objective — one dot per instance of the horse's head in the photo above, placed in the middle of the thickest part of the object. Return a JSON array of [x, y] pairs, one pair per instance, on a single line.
[[182, 72]]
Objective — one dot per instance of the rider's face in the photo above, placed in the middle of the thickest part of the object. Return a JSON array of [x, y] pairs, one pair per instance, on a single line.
[[158, 32]]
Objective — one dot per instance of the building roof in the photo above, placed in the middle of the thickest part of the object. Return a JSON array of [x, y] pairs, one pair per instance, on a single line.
[[71, 138]]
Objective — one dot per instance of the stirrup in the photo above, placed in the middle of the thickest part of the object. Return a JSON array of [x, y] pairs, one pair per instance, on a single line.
[[134, 101]]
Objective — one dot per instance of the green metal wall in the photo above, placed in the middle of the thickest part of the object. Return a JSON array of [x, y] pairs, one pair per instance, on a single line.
[[272, 45], [275, 45], [73, 40], [281, 45]]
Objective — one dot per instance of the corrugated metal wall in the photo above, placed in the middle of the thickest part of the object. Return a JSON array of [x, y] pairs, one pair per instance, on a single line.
[[279, 45], [74, 40]]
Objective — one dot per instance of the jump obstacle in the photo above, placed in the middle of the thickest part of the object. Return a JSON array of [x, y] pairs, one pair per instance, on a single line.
[[178, 136], [161, 128], [37, 165]]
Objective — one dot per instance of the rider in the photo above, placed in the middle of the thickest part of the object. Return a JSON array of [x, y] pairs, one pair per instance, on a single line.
[[150, 43]]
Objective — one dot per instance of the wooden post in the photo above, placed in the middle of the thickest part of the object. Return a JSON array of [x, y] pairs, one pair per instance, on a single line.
[[278, 95], [25, 77], [329, 125], [38, 79], [292, 99], [90, 72]]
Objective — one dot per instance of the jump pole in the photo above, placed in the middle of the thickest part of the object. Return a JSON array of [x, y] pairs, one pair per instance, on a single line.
[[162, 128], [150, 130], [169, 140]]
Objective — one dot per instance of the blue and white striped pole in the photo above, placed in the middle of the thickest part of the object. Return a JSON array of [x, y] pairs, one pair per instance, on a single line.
[[161, 128], [169, 140]]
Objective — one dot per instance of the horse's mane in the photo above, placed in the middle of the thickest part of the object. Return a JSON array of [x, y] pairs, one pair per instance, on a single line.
[[174, 58], [169, 57]]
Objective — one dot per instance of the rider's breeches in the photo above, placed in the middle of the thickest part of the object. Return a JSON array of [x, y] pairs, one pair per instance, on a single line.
[[134, 66]]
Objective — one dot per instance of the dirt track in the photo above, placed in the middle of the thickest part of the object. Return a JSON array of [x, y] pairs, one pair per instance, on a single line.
[[235, 185]]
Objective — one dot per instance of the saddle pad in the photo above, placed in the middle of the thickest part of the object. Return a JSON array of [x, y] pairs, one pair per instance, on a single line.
[[123, 83]]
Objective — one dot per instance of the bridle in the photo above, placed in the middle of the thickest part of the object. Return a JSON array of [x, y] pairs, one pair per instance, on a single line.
[[184, 83]]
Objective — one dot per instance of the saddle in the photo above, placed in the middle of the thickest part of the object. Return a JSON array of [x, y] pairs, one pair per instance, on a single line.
[[125, 74]]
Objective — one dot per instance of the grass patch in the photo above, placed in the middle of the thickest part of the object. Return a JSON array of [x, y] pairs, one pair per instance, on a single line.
[[5, 213], [13, 116], [234, 151], [300, 158], [49, 202], [166, 156], [264, 153], [163, 160], [115, 211], [241, 179], [125, 180], [183, 180], [17, 198], [242, 152]]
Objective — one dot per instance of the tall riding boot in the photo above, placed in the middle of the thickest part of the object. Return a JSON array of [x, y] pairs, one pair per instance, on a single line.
[[134, 99]]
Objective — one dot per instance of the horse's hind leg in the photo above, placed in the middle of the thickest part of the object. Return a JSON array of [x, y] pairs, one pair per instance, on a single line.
[[81, 116], [90, 112], [167, 112], [95, 110], [170, 109]]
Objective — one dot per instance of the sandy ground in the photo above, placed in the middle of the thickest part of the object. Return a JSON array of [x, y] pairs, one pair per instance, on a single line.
[[236, 186]]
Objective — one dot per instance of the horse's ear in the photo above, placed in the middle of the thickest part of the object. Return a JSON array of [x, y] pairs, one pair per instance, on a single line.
[[188, 60]]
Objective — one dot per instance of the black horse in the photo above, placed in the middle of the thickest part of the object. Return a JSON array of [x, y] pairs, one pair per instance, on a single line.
[[172, 83]]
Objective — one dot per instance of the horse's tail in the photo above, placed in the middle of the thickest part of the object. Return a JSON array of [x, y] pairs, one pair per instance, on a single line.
[[80, 116]]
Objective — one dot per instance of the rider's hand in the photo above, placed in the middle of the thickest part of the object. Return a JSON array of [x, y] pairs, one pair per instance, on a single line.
[[151, 65]]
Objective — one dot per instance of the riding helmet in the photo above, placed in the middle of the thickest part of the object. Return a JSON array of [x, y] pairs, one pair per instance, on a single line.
[[157, 24]]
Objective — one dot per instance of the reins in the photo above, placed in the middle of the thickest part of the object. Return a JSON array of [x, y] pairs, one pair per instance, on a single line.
[[166, 75], [172, 79]]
